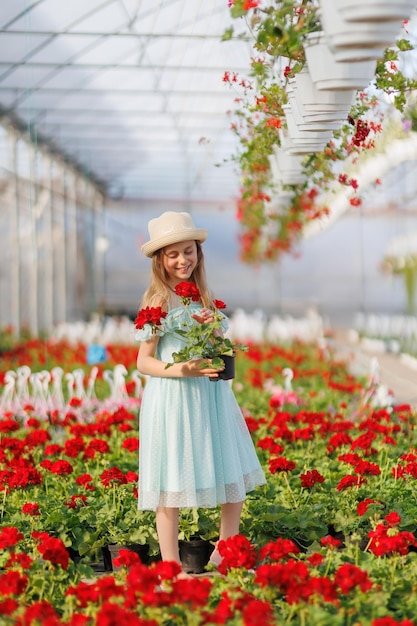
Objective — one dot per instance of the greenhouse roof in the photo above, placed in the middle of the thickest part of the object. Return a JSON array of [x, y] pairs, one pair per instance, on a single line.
[[130, 90]]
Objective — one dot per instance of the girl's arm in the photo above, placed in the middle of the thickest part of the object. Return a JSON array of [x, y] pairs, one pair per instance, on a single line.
[[147, 364]]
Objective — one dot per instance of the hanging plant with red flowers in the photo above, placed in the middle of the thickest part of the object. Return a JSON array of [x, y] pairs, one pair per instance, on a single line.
[[271, 225]]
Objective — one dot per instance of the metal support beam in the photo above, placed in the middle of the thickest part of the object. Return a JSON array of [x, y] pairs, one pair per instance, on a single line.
[[34, 249], [48, 268], [61, 245], [15, 259]]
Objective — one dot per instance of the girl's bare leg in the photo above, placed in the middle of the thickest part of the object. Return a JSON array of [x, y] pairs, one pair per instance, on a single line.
[[229, 525], [167, 529]]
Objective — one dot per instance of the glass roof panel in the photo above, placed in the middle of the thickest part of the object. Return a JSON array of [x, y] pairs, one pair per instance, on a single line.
[[16, 47], [59, 14], [62, 48], [11, 10], [195, 102], [131, 89], [107, 17], [111, 50], [24, 77], [123, 78]]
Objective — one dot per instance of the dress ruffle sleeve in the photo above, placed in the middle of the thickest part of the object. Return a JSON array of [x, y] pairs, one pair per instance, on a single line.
[[147, 332]]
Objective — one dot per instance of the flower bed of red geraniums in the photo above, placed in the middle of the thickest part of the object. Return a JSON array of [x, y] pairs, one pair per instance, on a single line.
[[329, 540]]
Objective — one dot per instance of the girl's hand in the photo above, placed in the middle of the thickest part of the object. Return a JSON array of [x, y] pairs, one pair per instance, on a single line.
[[206, 316], [193, 368]]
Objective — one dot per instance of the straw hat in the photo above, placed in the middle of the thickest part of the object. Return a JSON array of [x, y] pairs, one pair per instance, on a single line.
[[171, 227]]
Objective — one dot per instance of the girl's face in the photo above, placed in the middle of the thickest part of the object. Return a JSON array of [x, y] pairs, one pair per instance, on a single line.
[[179, 261]]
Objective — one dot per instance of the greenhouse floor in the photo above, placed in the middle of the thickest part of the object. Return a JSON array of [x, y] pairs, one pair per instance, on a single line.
[[397, 373]]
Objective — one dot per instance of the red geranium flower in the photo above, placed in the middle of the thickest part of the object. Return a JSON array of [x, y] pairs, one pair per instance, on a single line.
[[113, 475], [76, 499], [33, 422], [250, 4], [309, 479], [167, 570], [52, 449], [150, 315], [126, 558], [237, 551], [9, 537], [31, 509], [8, 606], [349, 576], [351, 458], [330, 542], [350, 481], [258, 613], [363, 506], [85, 481], [84, 592], [366, 467], [194, 592], [291, 578], [36, 438], [8, 425], [60, 467], [131, 476], [73, 446], [393, 519], [42, 612], [279, 549], [383, 541], [315, 559], [21, 477], [187, 291], [13, 583], [75, 402], [281, 464], [21, 559], [131, 444], [53, 550], [96, 446], [110, 614]]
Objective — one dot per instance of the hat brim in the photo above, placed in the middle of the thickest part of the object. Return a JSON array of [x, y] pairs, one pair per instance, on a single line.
[[150, 247]]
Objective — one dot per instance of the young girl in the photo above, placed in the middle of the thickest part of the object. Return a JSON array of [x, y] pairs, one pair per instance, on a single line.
[[195, 448]]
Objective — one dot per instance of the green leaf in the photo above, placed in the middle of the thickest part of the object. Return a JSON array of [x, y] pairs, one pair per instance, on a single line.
[[228, 34], [403, 45]]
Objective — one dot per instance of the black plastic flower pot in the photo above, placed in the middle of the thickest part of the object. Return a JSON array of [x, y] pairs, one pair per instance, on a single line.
[[229, 369], [194, 555], [142, 550]]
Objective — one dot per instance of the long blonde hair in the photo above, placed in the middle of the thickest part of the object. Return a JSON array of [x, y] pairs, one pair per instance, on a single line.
[[159, 286]]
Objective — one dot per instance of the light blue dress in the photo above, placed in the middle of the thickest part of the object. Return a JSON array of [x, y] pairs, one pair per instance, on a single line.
[[195, 448]]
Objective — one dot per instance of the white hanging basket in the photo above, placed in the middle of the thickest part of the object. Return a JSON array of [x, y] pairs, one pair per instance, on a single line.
[[282, 196], [287, 162], [286, 167], [355, 41], [376, 10], [312, 100], [294, 116], [300, 146], [324, 120], [328, 73]]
